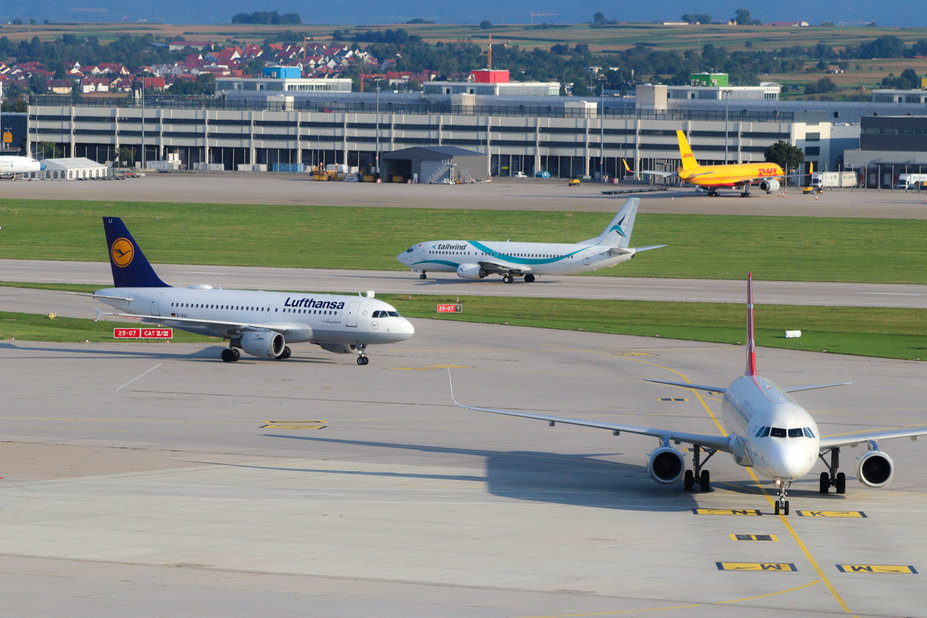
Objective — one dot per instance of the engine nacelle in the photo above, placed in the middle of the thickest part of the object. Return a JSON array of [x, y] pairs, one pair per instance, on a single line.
[[263, 343], [876, 469], [769, 185], [666, 465], [471, 271], [338, 348]]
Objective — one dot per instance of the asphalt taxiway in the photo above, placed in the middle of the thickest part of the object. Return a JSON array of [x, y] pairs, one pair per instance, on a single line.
[[157, 480], [448, 284]]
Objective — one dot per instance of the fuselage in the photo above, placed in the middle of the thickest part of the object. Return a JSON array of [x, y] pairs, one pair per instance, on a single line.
[[316, 318], [769, 430], [10, 164], [538, 258], [732, 175]]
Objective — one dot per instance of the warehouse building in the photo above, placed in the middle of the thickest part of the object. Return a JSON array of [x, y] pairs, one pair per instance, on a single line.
[[434, 165]]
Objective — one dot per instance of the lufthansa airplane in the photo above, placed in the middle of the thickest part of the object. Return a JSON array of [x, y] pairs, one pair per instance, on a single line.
[[477, 259], [767, 430], [711, 178], [260, 323]]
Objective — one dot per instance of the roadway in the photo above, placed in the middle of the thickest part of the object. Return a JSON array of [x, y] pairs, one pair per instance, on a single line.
[[156, 480], [448, 284]]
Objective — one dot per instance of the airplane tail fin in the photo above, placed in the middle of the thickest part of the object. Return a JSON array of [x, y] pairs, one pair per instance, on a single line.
[[618, 232], [130, 267], [685, 152], [751, 345]]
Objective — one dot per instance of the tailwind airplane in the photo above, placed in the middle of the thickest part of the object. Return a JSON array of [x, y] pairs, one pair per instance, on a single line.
[[10, 164], [475, 259], [767, 430], [724, 176], [260, 323]]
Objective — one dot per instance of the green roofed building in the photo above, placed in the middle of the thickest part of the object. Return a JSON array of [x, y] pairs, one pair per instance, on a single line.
[[709, 79]]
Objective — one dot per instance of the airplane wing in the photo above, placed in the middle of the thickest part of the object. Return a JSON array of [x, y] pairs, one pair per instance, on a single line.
[[866, 436], [502, 269], [223, 328], [720, 443]]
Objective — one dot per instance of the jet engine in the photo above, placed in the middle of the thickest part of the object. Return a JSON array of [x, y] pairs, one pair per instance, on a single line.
[[769, 185], [471, 271], [263, 343], [876, 469], [666, 465], [338, 348]]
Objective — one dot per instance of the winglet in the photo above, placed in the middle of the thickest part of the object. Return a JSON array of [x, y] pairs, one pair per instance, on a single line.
[[751, 345]]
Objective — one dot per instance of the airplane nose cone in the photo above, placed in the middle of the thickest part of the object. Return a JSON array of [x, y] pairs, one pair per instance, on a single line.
[[791, 462], [404, 257], [405, 329]]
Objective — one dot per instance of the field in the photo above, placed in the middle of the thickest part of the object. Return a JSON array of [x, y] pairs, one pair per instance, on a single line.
[[613, 37], [700, 246]]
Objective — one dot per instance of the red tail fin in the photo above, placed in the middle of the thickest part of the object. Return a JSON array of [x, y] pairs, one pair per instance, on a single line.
[[751, 346]]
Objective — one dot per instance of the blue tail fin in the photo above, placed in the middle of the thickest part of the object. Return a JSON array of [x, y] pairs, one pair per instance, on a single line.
[[130, 267]]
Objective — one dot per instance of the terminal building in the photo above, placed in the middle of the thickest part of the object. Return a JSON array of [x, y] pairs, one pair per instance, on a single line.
[[564, 136]]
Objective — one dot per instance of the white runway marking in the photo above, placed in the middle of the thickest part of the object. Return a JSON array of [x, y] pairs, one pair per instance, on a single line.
[[144, 373]]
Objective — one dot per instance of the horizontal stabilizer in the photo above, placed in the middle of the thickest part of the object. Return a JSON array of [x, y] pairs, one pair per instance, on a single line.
[[811, 387], [711, 389]]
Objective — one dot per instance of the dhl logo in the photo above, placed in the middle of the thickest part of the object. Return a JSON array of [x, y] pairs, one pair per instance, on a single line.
[[767, 171]]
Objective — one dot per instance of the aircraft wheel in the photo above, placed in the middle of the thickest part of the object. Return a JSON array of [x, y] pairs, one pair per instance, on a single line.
[[786, 508], [529, 278], [287, 352], [229, 355], [825, 483], [688, 480], [362, 360], [507, 278], [841, 483], [422, 276], [704, 483]]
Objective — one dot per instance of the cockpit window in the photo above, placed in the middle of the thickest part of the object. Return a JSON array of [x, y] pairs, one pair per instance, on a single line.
[[796, 432], [777, 432], [763, 432], [808, 432], [409, 250]]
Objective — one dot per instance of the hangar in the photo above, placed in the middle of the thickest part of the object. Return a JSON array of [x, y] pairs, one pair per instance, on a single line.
[[435, 164]]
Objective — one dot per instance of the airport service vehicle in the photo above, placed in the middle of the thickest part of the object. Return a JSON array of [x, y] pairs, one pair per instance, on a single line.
[[259, 323], [477, 259], [10, 164], [833, 180], [911, 181], [725, 176], [767, 430]]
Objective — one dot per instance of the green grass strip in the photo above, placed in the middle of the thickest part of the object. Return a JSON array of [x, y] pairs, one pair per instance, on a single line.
[[862, 331], [700, 246]]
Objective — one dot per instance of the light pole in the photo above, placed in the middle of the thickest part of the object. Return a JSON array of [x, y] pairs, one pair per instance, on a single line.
[[377, 155], [727, 103]]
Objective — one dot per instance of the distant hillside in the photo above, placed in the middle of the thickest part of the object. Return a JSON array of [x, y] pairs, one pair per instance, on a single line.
[[390, 12]]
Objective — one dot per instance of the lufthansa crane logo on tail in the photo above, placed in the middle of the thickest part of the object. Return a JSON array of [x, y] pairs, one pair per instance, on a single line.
[[121, 252]]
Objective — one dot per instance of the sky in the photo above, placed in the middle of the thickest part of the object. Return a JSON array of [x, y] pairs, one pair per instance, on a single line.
[[856, 12]]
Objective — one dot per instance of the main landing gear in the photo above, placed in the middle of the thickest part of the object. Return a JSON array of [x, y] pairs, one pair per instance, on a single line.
[[696, 473], [782, 505], [361, 356], [746, 192], [230, 355], [508, 278], [423, 275], [832, 478], [287, 352]]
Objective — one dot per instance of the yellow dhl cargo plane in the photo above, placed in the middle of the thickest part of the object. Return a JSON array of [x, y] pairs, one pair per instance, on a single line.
[[726, 176]]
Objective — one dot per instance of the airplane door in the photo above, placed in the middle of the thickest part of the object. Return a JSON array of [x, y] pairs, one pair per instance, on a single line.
[[155, 304], [587, 256], [350, 318]]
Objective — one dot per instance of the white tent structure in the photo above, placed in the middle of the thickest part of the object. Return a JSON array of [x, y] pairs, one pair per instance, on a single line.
[[77, 168]]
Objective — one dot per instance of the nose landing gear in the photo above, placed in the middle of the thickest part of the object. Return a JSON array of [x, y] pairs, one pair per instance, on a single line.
[[782, 504], [361, 356]]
